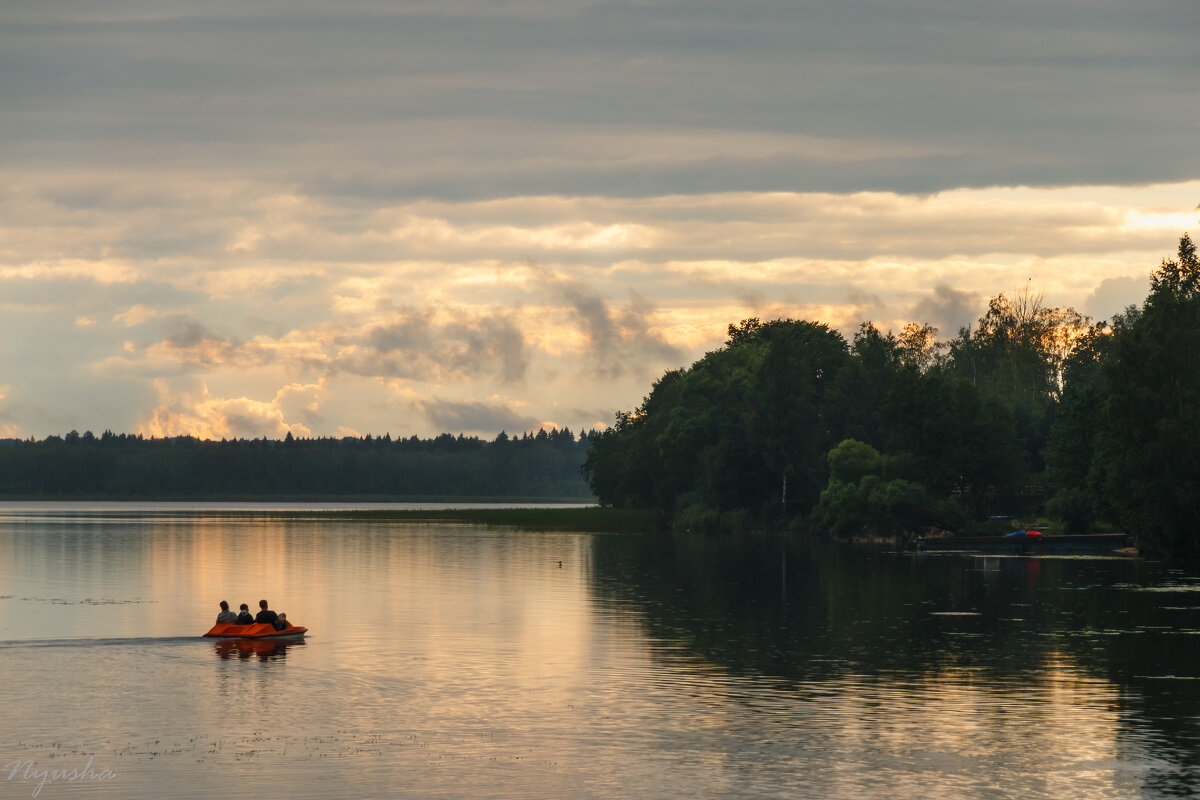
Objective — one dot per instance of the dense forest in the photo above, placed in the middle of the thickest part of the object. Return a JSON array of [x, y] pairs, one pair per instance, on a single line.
[[1034, 410], [545, 464]]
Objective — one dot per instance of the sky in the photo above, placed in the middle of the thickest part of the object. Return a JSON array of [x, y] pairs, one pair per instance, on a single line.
[[243, 219]]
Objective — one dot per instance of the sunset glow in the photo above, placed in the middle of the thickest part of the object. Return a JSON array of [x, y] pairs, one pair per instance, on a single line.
[[551, 223]]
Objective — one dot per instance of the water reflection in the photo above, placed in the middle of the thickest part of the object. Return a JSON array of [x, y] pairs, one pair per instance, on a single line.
[[1067, 662], [463, 661], [245, 649]]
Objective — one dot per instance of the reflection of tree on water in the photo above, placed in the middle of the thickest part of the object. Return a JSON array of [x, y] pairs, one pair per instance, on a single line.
[[806, 610], [245, 649]]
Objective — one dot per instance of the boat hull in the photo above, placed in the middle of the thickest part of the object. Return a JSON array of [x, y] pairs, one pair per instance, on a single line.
[[260, 630]]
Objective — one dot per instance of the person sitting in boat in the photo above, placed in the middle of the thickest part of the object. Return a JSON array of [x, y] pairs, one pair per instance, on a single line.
[[282, 623], [266, 615], [245, 617], [226, 615]]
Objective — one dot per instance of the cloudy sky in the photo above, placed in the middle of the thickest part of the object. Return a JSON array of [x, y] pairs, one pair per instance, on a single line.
[[244, 218]]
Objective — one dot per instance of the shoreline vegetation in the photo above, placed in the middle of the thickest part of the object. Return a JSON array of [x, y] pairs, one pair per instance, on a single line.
[[1032, 413], [542, 464]]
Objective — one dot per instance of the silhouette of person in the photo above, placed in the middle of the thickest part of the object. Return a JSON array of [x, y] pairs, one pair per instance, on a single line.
[[266, 615], [226, 615]]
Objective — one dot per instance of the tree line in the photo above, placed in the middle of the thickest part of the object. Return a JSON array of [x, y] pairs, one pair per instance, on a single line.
[[545, 464], [1033, 410]]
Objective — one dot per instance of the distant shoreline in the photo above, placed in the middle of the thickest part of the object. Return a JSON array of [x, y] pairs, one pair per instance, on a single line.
[[591, 518], [560, 516], [292, 498]]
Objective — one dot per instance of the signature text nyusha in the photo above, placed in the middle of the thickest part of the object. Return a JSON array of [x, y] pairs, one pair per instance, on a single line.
[[27, 771]]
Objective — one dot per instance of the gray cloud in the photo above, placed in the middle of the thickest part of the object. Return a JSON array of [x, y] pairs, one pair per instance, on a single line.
[[251, 426], [414, 345], [1113, 295], [493, 344], [184, 331], [619, 341], [751, 299], [409, 333], [405, 366], [472, 416], [868, 304], [913, 95], [949, 309]]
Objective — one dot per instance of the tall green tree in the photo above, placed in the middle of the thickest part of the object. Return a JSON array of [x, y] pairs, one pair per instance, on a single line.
[[1079, 440], [1153, 412], [728, 432]]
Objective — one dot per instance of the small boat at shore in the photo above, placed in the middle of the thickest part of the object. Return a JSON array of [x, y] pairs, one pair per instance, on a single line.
[[1022, 543], [259, 630]]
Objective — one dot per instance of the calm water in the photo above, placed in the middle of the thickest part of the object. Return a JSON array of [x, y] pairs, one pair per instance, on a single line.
[[450, 661]]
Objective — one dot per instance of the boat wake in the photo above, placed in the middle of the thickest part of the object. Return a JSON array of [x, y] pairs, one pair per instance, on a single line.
[[124, 641]]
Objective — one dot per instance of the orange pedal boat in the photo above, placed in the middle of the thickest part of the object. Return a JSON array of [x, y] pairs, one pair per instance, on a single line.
[[259, 630]]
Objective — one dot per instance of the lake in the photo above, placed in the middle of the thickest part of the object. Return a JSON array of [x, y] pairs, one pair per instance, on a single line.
[[459, 661]]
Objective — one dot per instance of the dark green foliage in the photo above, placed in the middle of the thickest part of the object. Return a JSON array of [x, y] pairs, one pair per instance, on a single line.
[[1073, 469], [1177, 279], [789, 404], [1125, 446], [1151, 453], [717, 440], [545, 464], [620, 476], [1016, 357], [1034, 410], [741, 438], [954, 440], [874, 366], [865, 496], [1074, 507]]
